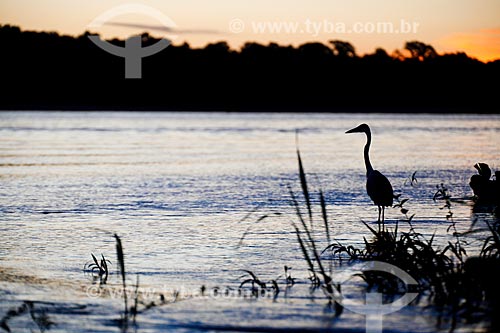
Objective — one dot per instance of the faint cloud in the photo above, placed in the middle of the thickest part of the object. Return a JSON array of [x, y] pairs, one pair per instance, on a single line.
[[162, 28], [483, 44]]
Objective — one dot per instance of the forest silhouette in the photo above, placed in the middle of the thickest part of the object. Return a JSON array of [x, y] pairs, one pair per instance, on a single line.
[[45, 70]]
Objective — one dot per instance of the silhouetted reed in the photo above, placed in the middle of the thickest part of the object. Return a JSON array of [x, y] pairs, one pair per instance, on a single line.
[[98, 269], [319, 276], [258, 287], [38, 315], [461, 288], [289, 280], [133, 309], [491, 246], [121, 267], [139, 304]]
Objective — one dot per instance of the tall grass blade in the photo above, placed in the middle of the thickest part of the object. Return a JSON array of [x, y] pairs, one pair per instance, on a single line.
[[95, 261], [371, 229], [263, 217], [104, 266], [136, 299], [303, 181], [121, 265], [304, 250], [310, 239], [494, 234], [324, 214], [297, 210]]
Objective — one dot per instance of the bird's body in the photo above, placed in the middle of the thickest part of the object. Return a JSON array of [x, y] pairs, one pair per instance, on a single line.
[[379, 189], [378, 186]]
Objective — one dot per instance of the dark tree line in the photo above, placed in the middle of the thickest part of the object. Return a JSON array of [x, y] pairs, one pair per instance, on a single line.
[[43, 70]]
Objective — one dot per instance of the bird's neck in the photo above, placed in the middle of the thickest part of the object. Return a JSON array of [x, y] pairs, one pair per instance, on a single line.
[[368, 165]]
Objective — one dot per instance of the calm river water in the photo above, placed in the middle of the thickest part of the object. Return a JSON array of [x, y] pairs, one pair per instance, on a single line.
[[176, 188]]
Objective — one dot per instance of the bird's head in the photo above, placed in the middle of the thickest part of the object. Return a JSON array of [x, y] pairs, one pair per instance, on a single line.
[[363, 128], [483, 169]]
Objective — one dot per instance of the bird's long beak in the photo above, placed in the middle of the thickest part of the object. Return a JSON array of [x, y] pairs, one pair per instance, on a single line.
[[363, 128]]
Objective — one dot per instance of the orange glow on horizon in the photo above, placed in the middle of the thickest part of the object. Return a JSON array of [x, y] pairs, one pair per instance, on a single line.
[[483, 44], [446, 24]]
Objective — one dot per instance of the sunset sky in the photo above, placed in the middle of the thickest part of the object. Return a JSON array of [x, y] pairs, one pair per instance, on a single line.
[[448, 25]]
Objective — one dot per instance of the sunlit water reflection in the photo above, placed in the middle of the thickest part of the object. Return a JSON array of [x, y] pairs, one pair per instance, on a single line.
[[175, 187]]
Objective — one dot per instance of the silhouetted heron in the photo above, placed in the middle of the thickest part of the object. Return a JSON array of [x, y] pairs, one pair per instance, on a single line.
[[485, 190], [378, 186]]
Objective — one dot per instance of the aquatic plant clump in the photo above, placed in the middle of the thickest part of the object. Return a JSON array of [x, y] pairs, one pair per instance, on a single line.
[[463, 289]]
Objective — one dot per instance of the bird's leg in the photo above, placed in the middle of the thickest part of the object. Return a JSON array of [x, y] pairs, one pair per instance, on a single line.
[[383, 218], [378, 221]]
